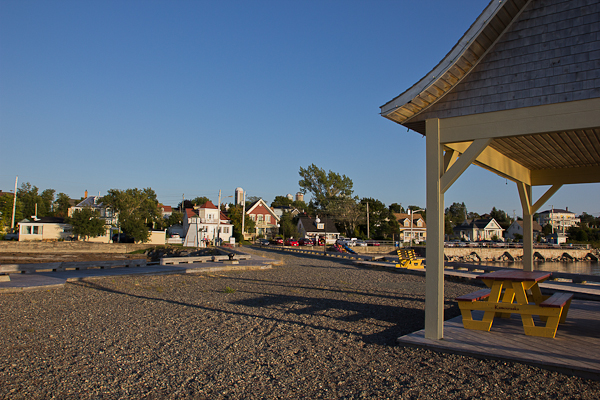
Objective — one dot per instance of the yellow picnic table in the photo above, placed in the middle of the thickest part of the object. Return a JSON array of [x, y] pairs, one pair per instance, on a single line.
[[515, 292]]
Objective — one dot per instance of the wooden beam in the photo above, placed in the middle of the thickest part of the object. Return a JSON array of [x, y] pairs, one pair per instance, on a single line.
[[573, 115], [494, 161], [466, 159], [565, 175], [434, 274]]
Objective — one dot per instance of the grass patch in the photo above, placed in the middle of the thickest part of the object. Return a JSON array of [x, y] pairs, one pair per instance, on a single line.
[[228, 290]]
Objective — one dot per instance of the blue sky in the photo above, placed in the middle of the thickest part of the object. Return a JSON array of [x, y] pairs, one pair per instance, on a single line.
[[189, 97]]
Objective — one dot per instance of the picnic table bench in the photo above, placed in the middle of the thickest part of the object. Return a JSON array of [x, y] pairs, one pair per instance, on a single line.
[[515, 292]]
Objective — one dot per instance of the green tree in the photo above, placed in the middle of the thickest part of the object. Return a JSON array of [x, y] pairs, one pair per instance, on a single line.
[[198, 201], [456, 214], [501, 217], [288, 226], [63, 202], [6, 210], [348, 214], [235, 215], [281, 201], [379, 216], [324, 186], [137, 210], [87, 223], [396, 208], [45, 207]]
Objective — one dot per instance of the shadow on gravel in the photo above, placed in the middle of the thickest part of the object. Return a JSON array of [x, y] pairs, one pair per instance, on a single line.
[[346, 291], [374, 323]]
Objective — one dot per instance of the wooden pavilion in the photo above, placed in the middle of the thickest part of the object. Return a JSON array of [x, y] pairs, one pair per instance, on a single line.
[[518, 95]]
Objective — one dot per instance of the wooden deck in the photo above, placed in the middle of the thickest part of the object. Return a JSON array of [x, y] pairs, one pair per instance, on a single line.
[[575, 350]]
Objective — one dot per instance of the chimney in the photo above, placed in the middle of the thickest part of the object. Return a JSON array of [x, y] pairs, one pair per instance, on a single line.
[[85, 197], [567, 209]]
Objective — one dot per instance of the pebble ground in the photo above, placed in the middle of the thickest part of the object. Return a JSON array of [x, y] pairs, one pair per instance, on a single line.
[[308, 329]]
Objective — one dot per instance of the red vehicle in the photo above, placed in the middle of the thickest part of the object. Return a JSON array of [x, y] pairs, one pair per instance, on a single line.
[[373, 243], [305, 242], [277, 241], [291, 242]]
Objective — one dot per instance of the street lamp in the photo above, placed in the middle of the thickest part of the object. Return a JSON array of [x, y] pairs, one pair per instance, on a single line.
[[411, 213]]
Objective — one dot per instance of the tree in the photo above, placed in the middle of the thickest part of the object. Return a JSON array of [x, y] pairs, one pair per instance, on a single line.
[[137, 210], [198, 201], [457, 212], [501, 217], [379, 215], [281, 201], [396, 208], [288, 228], [235, 215], [87, 223], [324, 186], [347, 212], [184, 205], [63, 202], [45, 207], [6, 210]]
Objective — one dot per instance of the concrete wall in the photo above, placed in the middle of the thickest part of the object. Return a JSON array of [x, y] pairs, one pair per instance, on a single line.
[[69, 247]]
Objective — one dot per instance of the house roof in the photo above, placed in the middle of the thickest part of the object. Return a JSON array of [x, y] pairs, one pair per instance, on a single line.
[[536, 226], [556, 211], [258, 203], [210, 205], [46, 220], [310, 225], [166, 208], [480, 223], [89, 201]]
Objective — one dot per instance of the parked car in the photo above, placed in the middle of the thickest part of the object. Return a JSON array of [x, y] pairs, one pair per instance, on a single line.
[[262, 242], [291, 242], [373, 243], [277, 241], [306, 242], [11, 236], [361, 243]]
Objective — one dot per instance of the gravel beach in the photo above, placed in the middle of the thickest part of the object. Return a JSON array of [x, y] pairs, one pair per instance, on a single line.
[[309, 328]]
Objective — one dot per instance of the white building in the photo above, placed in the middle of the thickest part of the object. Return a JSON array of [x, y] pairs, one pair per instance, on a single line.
[[204, 225], [559, 220]]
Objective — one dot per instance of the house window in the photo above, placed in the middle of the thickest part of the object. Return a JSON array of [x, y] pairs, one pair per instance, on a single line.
[[37, 230], [268, 219], [226, 229], [406, 223], [253, 217], [419, 223], [320, 226], [260, 217]]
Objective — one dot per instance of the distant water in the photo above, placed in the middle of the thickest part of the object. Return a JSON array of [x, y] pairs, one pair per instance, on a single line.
[[573, 267]]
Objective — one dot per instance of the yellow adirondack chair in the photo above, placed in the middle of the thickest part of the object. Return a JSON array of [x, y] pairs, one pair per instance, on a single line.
[[408, 259]]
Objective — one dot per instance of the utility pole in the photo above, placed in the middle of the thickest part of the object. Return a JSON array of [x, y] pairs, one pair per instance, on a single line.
[[219, 220], [12, 224], [368, 225], [243, 213]]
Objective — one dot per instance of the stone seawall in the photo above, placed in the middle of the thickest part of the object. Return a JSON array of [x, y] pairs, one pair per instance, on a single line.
[[499, 254], [70, 247]]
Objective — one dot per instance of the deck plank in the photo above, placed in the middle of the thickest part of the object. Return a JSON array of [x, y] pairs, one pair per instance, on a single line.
[[574, 350]]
